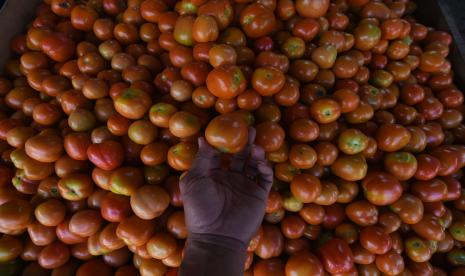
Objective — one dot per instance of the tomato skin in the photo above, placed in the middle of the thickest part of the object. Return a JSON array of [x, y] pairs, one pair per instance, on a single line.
[[375, 240], [149, 202], [362, 213], [402, 165], [267, 81], [114, 207], [390, 263], [107, 155], [312, 9], [54, 255], [336, 256], [132, 103], [392, 137], [305, 187], [381, 188], [75, 186], [428, 167], [58, 47], [304, 263], [257, 20], [409, 208], [226, 82], [228, 133], [350, 167], [352, 141], [270, 136], [433, 190], [429, 228], [271, 244]]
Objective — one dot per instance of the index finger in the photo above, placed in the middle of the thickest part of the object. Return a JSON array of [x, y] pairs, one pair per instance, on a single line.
[[207, 159], [262, 168]]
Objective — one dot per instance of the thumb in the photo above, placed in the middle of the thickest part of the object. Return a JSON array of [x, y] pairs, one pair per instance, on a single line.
[[206, 160]]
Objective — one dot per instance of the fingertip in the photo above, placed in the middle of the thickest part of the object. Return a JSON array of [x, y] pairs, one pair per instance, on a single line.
[[202, 142], [204, 147], [258, 153], [266, 177], [252, 135]]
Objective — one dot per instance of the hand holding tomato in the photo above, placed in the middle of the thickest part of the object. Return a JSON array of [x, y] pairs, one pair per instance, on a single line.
[[224, 208]]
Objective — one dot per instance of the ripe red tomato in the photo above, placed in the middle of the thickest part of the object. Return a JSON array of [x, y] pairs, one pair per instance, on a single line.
[[107, 155], [381, 188], [336, 256], [228, 133]]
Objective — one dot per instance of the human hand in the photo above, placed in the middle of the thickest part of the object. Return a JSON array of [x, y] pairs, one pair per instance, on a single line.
[[226, 203]]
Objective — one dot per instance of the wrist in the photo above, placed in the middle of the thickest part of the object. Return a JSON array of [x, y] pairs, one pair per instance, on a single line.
[[218, 241], [206, 254]]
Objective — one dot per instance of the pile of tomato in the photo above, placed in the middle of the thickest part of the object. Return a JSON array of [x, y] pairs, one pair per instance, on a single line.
[[353, 101]]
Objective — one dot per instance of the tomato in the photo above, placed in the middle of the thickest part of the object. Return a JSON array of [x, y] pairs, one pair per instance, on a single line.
[[429, 228], [257, 20], [161, 245], [305, 187], [107, 155], [267, 81], [94, 267], [85, 223], [402, 165], [271, 244], [293, 47], [392, 137], [312, 213], [345, 67], [390, 263], [381, 188], [108, 238], [44, 148], [228, 133], [54, 255], [304, 130], [115, 207], [325, 110], [350, 167], [375, 240], [64, 235], [75, 186], [50, 213], [125, 180], [431, 61], [205, 29], [293, 227], [429, 190], [352, 141], [362, 213], [303, 263], [417, 249], [274, 267], [302, 156], [226, 82], [336, 256], [132, 103], [94, 247], [220, 10], [303, 70], [409, 208], [10, 248], [135, 231], [270, 136], [149, 201], [448, 158], [183, 124], [181, 155], [312, 9]]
